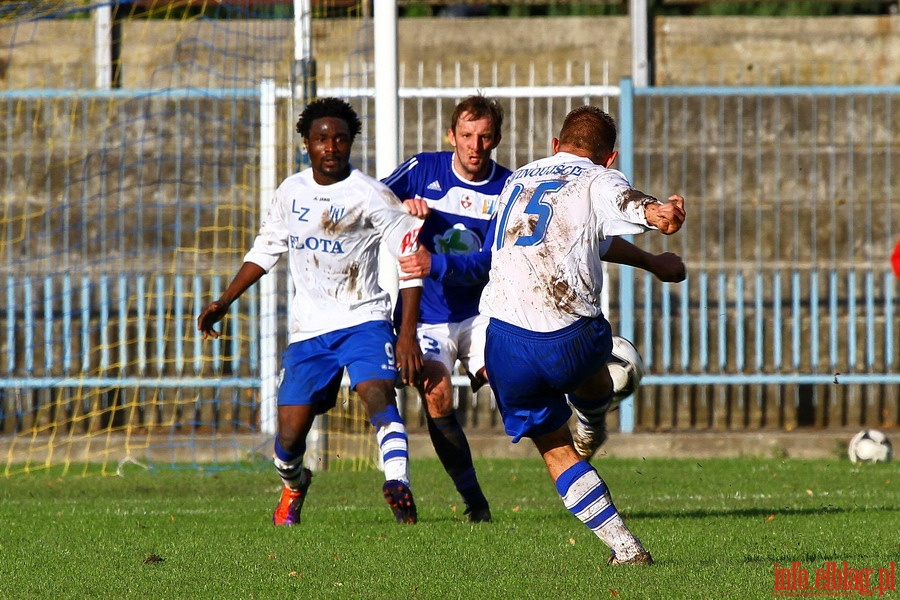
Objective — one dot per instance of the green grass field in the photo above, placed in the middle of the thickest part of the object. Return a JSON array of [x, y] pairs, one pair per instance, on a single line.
[[715, 527]]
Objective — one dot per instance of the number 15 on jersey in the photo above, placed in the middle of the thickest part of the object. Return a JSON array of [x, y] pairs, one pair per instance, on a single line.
[[538, 206]]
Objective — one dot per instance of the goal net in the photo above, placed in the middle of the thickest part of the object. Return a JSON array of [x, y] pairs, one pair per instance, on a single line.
[[130, 162]]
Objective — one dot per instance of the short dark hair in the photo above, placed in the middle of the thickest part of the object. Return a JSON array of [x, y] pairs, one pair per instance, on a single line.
[[479, 107], [590, 129], [328, 107]]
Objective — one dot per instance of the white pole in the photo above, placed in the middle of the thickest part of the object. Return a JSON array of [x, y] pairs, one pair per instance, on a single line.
[[268, 305], [387, 117], [640, 49], [304, 63], [302, 26], [304, 91], [103, 47]]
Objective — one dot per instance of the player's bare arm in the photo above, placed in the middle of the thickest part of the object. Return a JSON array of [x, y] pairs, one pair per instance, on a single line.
[[667, 266], [408, 353], [215, 311], [417, 207], [416, 265], [666, 217]]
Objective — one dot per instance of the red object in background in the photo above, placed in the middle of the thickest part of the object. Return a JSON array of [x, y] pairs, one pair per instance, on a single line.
[[895, 259]]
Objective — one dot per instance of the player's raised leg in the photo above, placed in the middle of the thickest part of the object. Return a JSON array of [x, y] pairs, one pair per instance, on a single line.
[[591, 401]]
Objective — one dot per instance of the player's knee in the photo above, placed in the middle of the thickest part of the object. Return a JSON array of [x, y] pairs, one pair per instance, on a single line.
[[439, 398], [439, 406], [376, 395], [291, 438], [437, 389], [294, 422]]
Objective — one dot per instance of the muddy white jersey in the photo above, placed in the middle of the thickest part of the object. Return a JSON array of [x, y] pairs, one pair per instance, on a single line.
[[555, 218], [331, 234]]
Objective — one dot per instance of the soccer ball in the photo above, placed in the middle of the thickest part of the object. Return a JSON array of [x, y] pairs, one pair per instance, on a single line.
[[870, 446], [626, 367]]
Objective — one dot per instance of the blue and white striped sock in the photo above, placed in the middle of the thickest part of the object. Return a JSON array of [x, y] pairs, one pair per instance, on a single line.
[[586, 496], [289, 466], [390, 431]]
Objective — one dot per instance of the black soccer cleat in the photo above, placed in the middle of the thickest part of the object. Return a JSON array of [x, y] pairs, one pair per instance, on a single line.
[[399, 497]]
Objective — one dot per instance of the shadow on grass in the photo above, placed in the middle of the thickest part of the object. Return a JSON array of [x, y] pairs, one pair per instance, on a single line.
[[752, 512]]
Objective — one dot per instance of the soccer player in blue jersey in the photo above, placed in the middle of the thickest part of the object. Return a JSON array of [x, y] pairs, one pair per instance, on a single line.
[[456, 191], [548, 340], [330, 220]]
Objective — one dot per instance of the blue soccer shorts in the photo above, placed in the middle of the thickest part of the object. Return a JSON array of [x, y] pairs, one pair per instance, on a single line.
[[312, 369], [531, 372]]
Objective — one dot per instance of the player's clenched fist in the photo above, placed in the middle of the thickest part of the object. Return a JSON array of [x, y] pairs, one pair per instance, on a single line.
[[211, 315], [417, 207], [668, 217], [668, 267]]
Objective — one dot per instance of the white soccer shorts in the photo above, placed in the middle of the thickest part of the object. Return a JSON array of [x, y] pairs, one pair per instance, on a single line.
[[448, 342]]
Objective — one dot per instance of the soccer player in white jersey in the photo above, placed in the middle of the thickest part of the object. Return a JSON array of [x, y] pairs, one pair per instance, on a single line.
[[456, 192], [330, 220], [547, 337]]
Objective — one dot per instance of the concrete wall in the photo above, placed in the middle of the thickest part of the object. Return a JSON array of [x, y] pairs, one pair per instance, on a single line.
[[731, 50]]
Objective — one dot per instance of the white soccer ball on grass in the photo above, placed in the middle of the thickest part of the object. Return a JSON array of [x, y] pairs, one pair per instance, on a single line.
[[870, 446]]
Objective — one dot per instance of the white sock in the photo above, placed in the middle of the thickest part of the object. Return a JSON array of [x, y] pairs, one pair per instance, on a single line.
[[394, 446], [291, 472], [585, 494]]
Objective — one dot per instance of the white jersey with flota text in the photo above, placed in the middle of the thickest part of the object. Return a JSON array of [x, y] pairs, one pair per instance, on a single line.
[[555, 218], [332, 235]]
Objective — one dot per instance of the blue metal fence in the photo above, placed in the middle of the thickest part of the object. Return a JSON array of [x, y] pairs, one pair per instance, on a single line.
[[792, 213]]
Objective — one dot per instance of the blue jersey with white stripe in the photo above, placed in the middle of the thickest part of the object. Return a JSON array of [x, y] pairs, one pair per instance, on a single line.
[[454, 232]]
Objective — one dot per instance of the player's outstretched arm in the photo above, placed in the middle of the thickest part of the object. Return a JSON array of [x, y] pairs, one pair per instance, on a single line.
[[215, 311], [667, 217], [667, 266], [460, 270], [466, 269]]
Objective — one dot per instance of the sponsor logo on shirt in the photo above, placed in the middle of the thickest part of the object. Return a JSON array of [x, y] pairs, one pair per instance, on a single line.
[[336, 213], [457, 241], [434, 186], [302, 211], [410, 242], [316, 244]]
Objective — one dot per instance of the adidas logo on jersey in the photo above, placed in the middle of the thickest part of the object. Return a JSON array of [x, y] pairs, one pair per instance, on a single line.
[[435, 186]]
